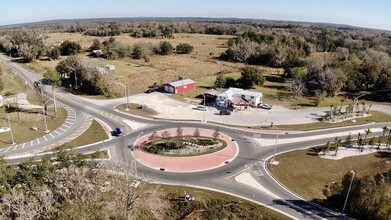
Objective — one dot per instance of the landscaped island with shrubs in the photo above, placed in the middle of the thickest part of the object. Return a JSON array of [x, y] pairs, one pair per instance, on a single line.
[[180, 145]]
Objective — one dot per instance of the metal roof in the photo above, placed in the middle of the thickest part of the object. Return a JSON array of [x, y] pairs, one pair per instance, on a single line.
[[181, 82]]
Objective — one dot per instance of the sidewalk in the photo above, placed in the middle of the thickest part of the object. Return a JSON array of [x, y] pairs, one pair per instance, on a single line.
[[191, 163]]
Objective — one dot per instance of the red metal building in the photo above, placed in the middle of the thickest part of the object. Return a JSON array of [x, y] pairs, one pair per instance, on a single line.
[[179, 86]]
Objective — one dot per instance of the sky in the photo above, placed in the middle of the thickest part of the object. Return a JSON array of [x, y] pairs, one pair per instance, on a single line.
[[362, 13]]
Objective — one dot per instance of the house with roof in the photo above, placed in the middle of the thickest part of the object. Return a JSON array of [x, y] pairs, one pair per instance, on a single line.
[[179, 86], [238, 97]]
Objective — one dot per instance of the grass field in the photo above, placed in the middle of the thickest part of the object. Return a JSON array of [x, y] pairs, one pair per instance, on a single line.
[[305, 173], [94, 134], [22, 131], [136, 109], [222, 203], [13, 84]]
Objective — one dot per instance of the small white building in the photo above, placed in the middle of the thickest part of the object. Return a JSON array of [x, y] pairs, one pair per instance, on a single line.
[[236, 96], [1, 101]]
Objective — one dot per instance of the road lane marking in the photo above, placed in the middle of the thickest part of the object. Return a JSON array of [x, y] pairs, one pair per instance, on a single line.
[[57, 132], [15, 148], [32, 142], [23, 145], [45, 138], [7, 150], [62, 129], [51, 135]]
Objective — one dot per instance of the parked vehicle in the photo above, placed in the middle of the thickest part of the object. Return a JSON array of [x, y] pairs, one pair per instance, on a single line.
[[266, 106], [225, 112], [150, 90], [202, 108], [114, 134]]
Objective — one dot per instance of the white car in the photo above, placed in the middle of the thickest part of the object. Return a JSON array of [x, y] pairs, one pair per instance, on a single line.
[[202, 108], [266, 106]]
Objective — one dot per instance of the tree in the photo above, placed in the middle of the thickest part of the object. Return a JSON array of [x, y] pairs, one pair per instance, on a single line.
[[220, 80], [327, 148], [179, 131], [337, 142], [153, 136], [251, 76], [196, 132], [53, 77], [319, 97], [332, 80], [348, 140], [165, 48], [142, 51], [297, 87], [54, 53], [96, 45], [216, 133], [367, 132], [165, 134], [184, 48], [243, 50], [385, 129], [69, 48]]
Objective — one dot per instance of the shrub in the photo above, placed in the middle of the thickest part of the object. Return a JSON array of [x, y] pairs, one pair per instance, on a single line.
[[184, 48]]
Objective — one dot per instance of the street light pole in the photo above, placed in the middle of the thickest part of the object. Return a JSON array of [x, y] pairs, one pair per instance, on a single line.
[[127, 95], [54, 101], [134, 160], [275, 146], [347, 195], [204, 108], [9, 125]]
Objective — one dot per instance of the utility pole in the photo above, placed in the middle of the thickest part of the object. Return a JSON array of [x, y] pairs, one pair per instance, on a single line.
[[54, 101], [44, 118], [9, 125], [17, 107]]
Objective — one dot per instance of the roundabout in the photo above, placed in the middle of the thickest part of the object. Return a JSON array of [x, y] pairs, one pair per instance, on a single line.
[[191, 160]]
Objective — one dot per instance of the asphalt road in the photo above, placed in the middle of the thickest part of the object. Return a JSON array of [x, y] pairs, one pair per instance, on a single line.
[[219, 179]]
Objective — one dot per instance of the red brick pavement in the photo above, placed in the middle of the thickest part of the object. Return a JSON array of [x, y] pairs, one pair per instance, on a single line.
[[191, 163]]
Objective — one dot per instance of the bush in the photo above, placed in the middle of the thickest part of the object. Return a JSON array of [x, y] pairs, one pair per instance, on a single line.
[[184, 48], [165, 48]]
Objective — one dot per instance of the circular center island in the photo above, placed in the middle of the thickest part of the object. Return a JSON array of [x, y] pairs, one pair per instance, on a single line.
[[185, 149]]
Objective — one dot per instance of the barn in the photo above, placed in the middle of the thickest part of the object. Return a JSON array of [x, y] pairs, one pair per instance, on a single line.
[[179, 86]]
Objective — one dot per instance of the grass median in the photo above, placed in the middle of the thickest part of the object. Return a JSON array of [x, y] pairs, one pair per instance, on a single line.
[[29, 125], [306, 174]]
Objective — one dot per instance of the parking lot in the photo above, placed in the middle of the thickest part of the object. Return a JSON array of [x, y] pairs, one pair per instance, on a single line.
[[172, 109]]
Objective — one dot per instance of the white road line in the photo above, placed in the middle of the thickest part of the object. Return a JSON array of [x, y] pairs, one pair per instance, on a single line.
[[67, 122], [45, 138], [57, 132], [38, 140], [51, 135], [32, 142], [1, 149], [65, 126], [7, 150], [62, 129], [15, 147], [23, 145]]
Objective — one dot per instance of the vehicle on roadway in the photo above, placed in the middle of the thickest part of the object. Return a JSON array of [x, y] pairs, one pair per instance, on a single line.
[[266, 106], [202, 108], [225, 112]]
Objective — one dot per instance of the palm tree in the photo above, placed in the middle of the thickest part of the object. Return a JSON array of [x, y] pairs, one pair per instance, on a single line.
[[369, 109], [385, 129], [331, 112], [368, 131], [327, 147], [342, 101], [337, 142]]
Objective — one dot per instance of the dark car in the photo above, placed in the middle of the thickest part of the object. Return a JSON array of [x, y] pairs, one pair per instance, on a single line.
[[114, 134], [225, 112], [149, 90]]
